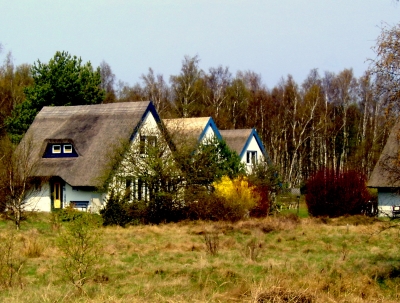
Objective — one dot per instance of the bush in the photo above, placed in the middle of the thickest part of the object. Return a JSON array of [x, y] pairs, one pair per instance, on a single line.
[[11, 261], [239, 196], [164, 207], [231, 201], [204, 205], [261, 209], [80, 244], [265, 180], [116, 211], [334, 194]]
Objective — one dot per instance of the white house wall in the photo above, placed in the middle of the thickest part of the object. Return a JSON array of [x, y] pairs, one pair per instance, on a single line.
[[94, 198], [39, 200], [208, 135], [252, 146], [149, 125], [387, 199]]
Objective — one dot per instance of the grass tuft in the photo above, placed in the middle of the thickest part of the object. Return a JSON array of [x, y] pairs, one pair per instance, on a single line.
[[284, 295]]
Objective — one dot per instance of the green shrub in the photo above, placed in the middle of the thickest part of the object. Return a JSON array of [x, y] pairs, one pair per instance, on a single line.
[[204, 205], [11, 261], [79, 241], [117, 211]]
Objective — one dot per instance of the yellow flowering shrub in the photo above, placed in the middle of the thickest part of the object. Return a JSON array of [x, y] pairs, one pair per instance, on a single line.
[[239, 196]]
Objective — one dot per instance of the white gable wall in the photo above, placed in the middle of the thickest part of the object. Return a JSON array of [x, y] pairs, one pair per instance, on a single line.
[[208, 135], [252, 146], [149, 125]]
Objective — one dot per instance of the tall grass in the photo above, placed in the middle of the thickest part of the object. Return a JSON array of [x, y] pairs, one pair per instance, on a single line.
[[276, 259]]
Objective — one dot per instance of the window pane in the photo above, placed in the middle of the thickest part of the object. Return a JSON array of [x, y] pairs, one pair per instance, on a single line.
[[251, 157], [142, 145], [68, 149], [56, 149]]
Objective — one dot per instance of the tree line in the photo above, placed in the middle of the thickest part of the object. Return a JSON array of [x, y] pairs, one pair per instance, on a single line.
[[330, 120]]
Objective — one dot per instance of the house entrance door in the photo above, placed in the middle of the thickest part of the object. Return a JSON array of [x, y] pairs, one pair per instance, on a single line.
[[57, 195]]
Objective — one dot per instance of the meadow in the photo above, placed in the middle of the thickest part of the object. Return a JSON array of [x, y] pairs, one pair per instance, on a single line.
[[280, 258]]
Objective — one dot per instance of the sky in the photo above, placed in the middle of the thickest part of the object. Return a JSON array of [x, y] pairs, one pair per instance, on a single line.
[[272, 38]]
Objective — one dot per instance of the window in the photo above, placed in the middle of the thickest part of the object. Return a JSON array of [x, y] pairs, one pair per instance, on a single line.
[[140, 189], [128, 189], [60, 150], [251, 157], [67, 149], [56, 149], [151, 141], [142, 145], [147, 143]]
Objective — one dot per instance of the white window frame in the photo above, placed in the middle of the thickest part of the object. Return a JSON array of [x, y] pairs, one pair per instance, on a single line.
[[67, 148], [56, 149], [147, 142], [251, 157]]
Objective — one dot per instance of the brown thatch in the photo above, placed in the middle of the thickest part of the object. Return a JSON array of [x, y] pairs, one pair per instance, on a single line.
[[236, 138], [387, 171], [192, 127], [96, 131], [186, 132]]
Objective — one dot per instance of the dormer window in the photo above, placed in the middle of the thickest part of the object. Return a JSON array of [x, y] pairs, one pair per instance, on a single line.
[[67, 149], [60, 150], [56, 149]]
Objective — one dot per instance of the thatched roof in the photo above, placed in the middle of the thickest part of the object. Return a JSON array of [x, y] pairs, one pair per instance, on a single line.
[[95, 132], [236, 138], [183, 130], [387, 170]]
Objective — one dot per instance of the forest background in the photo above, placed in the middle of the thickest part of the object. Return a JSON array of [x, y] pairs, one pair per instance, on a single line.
[[330, 120]]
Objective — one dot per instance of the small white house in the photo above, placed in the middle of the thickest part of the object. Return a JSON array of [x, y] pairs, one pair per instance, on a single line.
[[75, 148], [247, 145]]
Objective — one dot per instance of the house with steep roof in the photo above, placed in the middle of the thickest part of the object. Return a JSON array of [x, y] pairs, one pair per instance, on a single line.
[[75, 147], [247, 144], [386, 175]]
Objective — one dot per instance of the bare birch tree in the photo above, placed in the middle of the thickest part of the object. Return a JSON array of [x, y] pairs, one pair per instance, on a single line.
[[217, 81], [156, 90], [386, 65], [17, 181], [185, 86]]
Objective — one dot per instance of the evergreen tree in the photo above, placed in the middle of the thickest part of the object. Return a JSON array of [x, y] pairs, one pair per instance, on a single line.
[[61, 82]]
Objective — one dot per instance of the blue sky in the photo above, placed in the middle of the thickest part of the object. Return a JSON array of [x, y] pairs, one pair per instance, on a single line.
[[273, 38]]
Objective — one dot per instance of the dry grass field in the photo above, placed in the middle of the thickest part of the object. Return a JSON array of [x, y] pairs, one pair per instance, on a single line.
[[276, 259]]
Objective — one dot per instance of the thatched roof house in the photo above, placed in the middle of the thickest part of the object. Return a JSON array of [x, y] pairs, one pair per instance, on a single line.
[[74, 145], [386, 174], [246, 143]]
